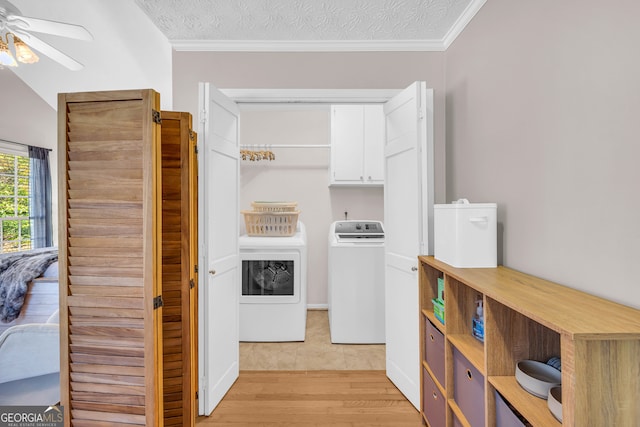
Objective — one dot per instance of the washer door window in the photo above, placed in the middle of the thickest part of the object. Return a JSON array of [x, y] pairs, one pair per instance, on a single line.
[[270, 278]]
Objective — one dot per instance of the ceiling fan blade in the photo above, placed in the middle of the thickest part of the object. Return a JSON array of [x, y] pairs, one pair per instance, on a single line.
[[50, 51], [45, 26]]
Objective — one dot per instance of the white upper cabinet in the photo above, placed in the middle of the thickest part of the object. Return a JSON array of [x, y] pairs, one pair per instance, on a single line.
[[357, 149]]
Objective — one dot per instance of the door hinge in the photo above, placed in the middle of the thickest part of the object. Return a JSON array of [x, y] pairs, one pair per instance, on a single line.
[[156, 116], [191, 134], [420, 113], [195, 149], [192, 283], [197, 395], [157, 302], [195, 268]]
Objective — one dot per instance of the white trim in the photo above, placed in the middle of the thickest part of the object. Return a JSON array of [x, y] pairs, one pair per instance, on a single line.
[[308, 45], [462, 23], [13, 148], [310, 96], [317, 307]]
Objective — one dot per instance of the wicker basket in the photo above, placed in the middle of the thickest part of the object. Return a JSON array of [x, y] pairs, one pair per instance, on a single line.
[[274, 206], [274, 224]]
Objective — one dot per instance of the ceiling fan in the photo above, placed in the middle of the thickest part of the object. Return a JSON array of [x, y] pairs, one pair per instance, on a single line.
[[21, 28]]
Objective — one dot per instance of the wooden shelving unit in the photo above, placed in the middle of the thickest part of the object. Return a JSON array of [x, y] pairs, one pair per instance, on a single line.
[[526, 317]]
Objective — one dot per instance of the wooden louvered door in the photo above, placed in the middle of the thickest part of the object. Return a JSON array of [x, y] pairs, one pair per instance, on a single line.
[[179, 256], [110, 248], [193, 254]]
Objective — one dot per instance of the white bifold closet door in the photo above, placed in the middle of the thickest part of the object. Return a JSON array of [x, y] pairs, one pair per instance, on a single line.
[[218, 229], [408, 218]]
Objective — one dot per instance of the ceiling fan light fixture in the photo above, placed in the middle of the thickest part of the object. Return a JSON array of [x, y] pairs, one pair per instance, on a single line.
[[23, 53], [6, 58]]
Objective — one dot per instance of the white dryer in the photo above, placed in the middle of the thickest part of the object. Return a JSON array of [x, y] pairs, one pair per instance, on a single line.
[[356, 282], [273, 287]]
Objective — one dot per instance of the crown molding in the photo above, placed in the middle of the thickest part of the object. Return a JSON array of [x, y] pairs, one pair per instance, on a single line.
[[462, 22], [307, 45]]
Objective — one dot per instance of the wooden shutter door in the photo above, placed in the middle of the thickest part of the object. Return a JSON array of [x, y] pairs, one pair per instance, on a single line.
[[193, 267], [179, 255], [110, 237]]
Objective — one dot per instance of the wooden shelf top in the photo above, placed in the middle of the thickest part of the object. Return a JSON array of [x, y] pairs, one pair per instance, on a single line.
[[435, 321], [471, 348], [557, 307]]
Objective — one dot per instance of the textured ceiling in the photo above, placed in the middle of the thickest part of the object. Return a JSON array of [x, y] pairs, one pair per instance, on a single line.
[[307, 20]]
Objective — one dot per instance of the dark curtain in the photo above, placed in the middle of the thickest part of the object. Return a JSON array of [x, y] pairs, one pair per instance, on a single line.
[[40, 198]]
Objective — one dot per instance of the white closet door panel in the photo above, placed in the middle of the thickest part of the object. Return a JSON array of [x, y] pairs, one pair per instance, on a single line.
[[403, 213], [219, 222], [405, 142], [402, 329]]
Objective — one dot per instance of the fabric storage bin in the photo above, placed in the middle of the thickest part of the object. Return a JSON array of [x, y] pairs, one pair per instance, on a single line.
[[465, 234], [468, 389], [434, 351], [434, 404], [504, 415]]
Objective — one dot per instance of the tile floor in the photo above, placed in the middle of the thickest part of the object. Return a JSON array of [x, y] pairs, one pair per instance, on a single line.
[[315, 353]]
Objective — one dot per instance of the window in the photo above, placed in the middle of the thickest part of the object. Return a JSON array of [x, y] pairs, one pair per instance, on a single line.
[[15, 226]]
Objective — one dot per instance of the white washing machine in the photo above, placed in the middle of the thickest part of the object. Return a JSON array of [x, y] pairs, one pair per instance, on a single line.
[[356, 282], [273, 287]]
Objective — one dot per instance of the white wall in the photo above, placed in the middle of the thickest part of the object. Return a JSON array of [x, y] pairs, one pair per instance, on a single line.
[[324, 70], [542, 118], [296, 174], [25, 118], [302, 175], [541, 99], [127, 51]]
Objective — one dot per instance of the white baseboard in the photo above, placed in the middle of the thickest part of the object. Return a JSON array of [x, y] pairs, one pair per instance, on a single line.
[[317, 306]]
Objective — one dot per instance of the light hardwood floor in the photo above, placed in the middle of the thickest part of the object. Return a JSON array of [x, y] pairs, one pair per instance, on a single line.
[[313, 398], [313, 383]]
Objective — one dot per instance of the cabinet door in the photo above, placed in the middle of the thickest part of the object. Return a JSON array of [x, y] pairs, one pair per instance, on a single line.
[[347, 137], [373, 144]]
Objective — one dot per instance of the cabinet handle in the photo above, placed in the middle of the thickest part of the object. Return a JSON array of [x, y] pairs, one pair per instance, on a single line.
[[480, 219], [414, 268], [469, 375], [431, 336], [212, 272]]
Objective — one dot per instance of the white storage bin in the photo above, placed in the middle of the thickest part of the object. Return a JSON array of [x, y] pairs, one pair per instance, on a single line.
[[465, 234]]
